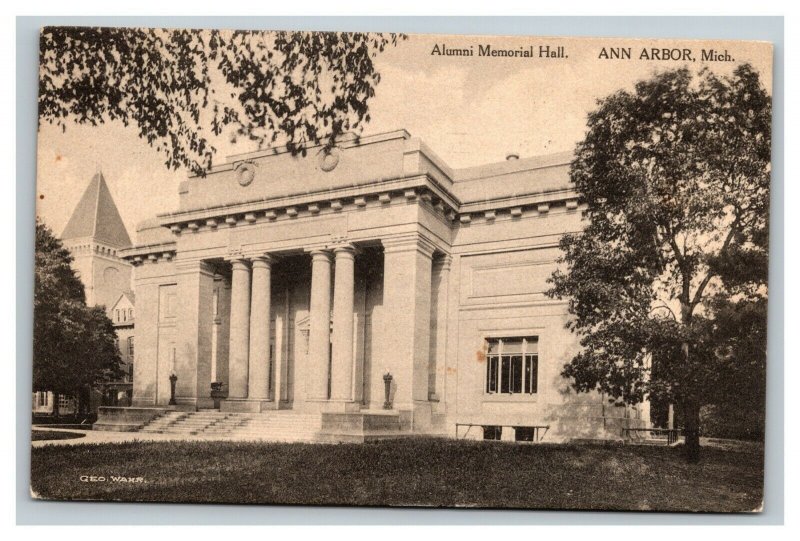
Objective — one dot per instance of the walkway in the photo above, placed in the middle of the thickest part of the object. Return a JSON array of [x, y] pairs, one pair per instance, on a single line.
[[97, 436]]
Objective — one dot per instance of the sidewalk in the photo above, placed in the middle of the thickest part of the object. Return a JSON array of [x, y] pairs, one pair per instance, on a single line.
[[99, 436]]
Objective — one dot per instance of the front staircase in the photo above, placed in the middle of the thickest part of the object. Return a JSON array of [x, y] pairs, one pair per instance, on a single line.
[[279, 425]]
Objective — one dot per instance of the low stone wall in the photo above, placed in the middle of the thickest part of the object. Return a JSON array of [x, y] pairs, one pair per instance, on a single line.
[[119, 419]]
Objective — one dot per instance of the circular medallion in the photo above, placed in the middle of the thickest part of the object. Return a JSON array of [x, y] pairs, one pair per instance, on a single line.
[[329, 159], [245, 173]]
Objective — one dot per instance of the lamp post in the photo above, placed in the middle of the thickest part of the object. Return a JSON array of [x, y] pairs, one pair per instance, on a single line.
[[387, 382], [217, 393], [173, 379]]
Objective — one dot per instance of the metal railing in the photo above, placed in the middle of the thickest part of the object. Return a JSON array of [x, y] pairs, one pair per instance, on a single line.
[[537, 432], [669, 435]]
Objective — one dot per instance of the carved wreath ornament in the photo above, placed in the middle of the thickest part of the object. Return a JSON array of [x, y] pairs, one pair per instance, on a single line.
[[245, 173], [329, 159]]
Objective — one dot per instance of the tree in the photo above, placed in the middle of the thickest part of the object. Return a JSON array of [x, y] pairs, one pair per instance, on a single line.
[[74, 346], [671, 266], [178, 86]]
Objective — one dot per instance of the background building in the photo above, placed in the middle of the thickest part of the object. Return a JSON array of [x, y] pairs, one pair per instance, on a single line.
[[94, 235]]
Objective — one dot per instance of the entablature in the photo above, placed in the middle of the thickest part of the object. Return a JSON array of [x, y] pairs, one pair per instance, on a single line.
[[308, 204]]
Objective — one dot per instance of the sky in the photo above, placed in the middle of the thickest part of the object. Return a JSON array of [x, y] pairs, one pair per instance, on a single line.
[[469, 110]]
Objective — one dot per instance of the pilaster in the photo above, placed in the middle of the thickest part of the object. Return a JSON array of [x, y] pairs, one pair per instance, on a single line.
[[195, 285], [407, 301], [438, 355]]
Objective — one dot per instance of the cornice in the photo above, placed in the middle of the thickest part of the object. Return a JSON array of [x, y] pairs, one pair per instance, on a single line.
[[150, 253], [291, 205]]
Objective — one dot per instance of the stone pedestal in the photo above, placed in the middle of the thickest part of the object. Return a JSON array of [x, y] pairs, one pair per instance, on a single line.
[[357, 427]]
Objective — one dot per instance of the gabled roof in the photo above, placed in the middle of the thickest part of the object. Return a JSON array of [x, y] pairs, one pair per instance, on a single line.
[[124, 295], [96, 216]]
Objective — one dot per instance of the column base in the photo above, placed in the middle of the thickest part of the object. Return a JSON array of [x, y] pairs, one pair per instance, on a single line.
[[183, 403], [341, 406], [246, 405], [334, 406]]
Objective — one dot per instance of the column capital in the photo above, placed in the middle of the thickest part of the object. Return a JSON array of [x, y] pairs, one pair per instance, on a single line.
[[239, 262], [319, 252], [443, 262], [262, 261], [343, 248], [408, 242]]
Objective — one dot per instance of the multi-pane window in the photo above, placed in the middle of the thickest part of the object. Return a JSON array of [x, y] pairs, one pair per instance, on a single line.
[[130, 346], [512, 365]]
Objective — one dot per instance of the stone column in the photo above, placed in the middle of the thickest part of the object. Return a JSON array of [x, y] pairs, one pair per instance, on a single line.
[[240, 329], [217, 321], [320, 326], [343, 295], [281, 346], [258, 378], [407, 302]]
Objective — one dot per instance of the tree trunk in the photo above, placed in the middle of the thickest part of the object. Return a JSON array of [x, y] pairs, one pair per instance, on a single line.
[[56, 412], [691, 430]]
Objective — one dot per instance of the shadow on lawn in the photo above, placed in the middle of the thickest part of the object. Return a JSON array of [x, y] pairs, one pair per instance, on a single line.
[[45, 435]]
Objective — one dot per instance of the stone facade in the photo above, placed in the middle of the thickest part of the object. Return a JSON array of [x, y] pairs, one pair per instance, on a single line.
[[300, 282]]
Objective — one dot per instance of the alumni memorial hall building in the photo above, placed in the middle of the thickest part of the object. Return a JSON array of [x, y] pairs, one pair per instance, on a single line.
[[364, 292]]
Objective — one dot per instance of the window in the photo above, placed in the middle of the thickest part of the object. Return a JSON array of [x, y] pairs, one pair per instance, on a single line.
[[492, 432], [130, 346], [130, 314], [512, 365], [524, 433]]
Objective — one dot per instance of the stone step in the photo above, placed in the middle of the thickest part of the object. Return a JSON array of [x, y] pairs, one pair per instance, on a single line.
[[268, 426]]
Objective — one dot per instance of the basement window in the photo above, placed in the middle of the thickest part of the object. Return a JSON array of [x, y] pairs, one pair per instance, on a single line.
[[512, 365]]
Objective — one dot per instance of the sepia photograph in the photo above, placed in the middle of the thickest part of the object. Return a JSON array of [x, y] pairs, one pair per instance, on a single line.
[[401, 270]]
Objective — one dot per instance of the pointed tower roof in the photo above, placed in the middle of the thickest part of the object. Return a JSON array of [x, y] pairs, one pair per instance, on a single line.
[[97, 216]]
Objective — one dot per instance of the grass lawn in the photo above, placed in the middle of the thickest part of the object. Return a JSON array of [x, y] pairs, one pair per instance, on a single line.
[[413, 472], [40, 435]]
